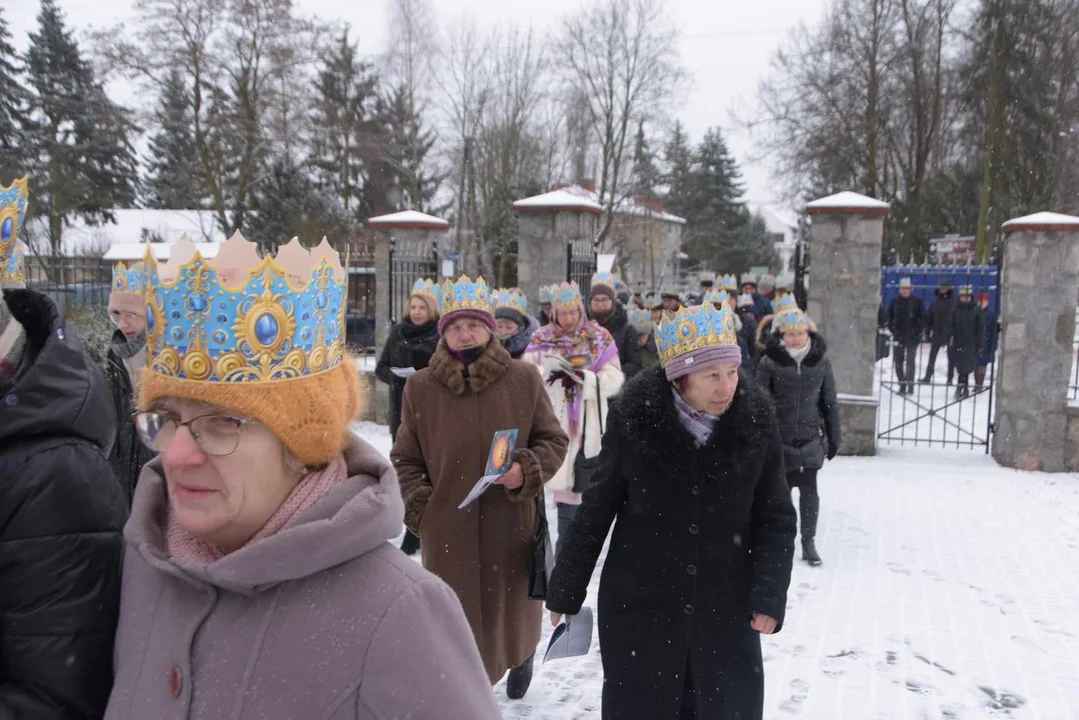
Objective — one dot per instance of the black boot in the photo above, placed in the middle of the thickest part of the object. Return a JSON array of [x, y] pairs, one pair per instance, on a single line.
[[519, 680], [809, 505], [809, 552], [410, 544]]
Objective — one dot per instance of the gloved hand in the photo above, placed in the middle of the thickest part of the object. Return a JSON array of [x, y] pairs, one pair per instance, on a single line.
[[833, 450]]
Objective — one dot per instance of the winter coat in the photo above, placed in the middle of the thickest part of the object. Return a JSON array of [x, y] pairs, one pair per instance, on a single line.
[[906, 319], [649, 352], [940, 317], [762, 304], [407, 346], [703, 538], [518, 342], [992, 338], [61, 517], [625, 337], [748, 335], [483, 551], [805, 402], [128, 452], [324, 619], [966, 337]]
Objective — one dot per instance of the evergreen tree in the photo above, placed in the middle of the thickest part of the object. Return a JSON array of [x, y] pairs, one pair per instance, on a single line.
[[406, 150], [747, 246], [82, 159], [12, 109], [174, 179], [645, 173], [715, 211], [679, 160], [287, 204]]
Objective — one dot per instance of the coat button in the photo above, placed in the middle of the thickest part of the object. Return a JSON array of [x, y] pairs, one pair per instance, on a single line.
[[696, 490], [693, 530], [688, 609], [691, 569], [176, 681]]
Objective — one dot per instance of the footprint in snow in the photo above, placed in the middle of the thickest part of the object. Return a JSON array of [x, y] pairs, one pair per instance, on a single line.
[[799, 691]]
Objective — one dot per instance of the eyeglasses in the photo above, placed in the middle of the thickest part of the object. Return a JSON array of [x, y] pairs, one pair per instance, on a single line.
[[216, 435], [117, 315]]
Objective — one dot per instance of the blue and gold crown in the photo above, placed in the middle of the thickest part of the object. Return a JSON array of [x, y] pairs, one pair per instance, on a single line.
[[669, 290], [640, 319], [14, 200], [237, 319], [13, 269], [745, 300], [653, 301], [707, 278], [749, 279], [425, 287], [791, 320], [693, 329], [565, 295], [784, 304], [603, 278], [715, 296], [465, 294], [729, 283], [545, 294], [509, 298], [129, 279]]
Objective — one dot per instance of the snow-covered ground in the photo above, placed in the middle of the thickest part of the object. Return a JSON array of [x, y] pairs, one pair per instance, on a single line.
[[950, 589]]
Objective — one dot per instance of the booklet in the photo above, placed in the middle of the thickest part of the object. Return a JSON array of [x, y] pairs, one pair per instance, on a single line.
[[403, 372], [499, 462], [572, 637]]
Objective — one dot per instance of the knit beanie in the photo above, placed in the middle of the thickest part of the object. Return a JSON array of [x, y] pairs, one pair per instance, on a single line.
[[505, 313], [603, 290]]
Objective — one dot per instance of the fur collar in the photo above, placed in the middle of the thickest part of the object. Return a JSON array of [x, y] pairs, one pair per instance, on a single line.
[[780, 356], [481, 374]]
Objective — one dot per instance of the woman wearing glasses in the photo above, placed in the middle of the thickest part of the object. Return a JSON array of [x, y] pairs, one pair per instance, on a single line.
[[258, 580]]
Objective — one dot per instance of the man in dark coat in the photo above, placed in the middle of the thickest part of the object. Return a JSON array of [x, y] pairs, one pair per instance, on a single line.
[[612, 317], [906, 321], [992, 339], [61, 517], [762, 306], [700, 554], [940, 325], [967, 339], [748, 334]]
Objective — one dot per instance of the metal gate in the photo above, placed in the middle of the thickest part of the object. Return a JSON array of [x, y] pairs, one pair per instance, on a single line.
[[408, 263], [580, 263], [938, 413]]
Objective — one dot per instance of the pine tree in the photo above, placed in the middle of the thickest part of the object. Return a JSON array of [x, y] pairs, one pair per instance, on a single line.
[[406, 151], [645, 173], [83, 162], [715, 211], [12, 109], [174, 179], [287, 204], [679, 160]]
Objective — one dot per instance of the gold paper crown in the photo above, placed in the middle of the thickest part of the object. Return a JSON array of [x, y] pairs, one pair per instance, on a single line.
[[510, 299], [565, 295], [13, 269], [429, 289], [465, 294], [129, 279], [694, 328], [14, 199]]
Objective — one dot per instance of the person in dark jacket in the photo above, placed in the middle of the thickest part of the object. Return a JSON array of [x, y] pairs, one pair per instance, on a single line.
[[762, 306], [939, 323], [544, 316], [513, 325], [967, 338], [906, 321], [747, 312], [641, 320], [409, 347], [992, 340], [796, 371], [692, 458], [126, 359], [605, 309]]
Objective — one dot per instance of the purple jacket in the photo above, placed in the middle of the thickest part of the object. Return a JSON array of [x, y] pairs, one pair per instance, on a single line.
[[324, 620]]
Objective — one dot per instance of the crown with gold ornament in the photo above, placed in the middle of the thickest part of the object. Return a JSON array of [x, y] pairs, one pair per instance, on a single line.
[[715, 296], [509, 298], [565, 295], [729, 283], [464, 293], [749, 279], [745, 300], [652, 301], [425, 287], [670, 291], [129, 279], [14, 200], [13, 269], [693, 329], [640, 319], [545, 294], [788, 316], [603, 278], [241, 319], [784, 304]]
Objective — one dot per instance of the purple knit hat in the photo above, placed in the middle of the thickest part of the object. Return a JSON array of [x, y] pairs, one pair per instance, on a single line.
[[484, 317], [706, 357]]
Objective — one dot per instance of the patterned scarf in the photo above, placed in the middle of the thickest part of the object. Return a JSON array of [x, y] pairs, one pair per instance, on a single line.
[[12, 345], [699, 424]]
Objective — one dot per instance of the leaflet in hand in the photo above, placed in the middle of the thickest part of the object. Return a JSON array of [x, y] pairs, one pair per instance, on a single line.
[[572, 637], [403, 372], [499, 462]]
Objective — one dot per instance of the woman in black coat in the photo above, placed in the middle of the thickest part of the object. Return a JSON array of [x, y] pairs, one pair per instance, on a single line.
[[700, 558], [966, 339], [796, 372]]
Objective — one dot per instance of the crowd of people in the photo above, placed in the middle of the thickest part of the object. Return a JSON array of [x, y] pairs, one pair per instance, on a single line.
[[197, 532]]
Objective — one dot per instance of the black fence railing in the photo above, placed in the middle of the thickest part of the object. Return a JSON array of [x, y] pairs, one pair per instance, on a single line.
[[408, 264], [71, 282], [580, 264]]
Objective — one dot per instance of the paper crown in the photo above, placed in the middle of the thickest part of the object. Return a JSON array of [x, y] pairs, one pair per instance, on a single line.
[[425, 287], [14, 200], [784, 304], [966, 290], [641, 320], [670, 291], [693, 329], [783, 282], [465, 294], [239, 319], [545, 294], [768, 280], [13, 269], [790, 320], [707, 278], [729, 283], [749, 279], [652, 301], [603, 278], [744, 300], [510, 299], [565, 295], [715, 296], [129, 279]]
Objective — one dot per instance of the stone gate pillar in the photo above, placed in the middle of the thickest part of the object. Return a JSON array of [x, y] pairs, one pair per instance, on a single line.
[[846, 236], [1035, 428], [545, 224]]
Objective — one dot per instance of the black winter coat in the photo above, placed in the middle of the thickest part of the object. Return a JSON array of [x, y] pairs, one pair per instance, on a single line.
[[61, 517], [703, 537], [128, 452], [967, 336], [517, 343], [625, 337], [805, 402], [748, 334], [940, 317], [408, 346], [906, 319]]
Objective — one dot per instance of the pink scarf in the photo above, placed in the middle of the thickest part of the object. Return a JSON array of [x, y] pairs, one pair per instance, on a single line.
[[183, 545]]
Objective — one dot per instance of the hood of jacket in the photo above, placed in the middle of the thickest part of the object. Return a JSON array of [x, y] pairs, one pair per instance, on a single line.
[[60, 391], [516, 343], [778, 353], [356, 517]]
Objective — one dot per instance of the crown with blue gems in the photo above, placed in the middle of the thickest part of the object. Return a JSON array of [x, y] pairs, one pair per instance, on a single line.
[[653, 301], [14, 199], [707, 278], [238, 318], [465, 294], [603, 278], [785, 304], [565, 295], [640, 319], [744, 300], [13, 269], [693, 329], [129, 279], [669, 290], [729, 283], [545, 294], [510, 298], [788, 316], [427, 288], [715, 296]]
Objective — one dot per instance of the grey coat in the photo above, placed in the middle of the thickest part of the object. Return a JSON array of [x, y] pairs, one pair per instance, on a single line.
[[324, 620], [805, 402]]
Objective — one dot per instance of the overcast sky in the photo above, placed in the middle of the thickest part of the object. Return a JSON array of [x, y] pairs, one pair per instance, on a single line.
[[726, 45]]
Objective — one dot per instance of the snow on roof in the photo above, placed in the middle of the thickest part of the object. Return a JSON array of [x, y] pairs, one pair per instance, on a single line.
[[137, 251], [409, 219], [1043, 221], [776, 221], [850, 202], [132, 227], [559, 200]]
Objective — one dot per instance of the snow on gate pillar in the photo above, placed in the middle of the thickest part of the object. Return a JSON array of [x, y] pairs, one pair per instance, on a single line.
[[847, 231], [546, 223], [1035, 427]]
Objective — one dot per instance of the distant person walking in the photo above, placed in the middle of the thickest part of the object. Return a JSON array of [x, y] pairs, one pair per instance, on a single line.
[[906, 321], [939, 323]]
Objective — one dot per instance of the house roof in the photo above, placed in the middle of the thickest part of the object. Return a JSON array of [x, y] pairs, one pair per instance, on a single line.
[[409, 219], [561, 199], [132, 228]]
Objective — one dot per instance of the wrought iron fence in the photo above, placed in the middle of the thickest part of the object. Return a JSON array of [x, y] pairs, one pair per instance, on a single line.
[[580, 263], [71, 282], [408, 263]]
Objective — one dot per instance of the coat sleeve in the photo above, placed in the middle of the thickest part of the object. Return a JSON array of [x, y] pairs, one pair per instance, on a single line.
[[423, 663], [917, 323], [382, 367], [60, 558], [631, 353], [584, 540], [829, 406], [774, 528], [891, 317], [407, 458], [547, 445]]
